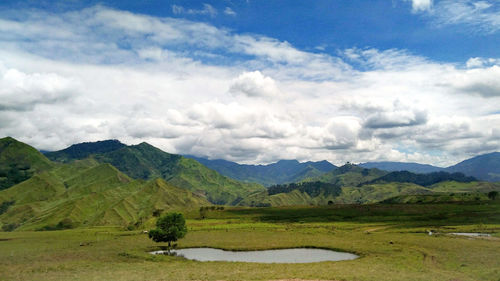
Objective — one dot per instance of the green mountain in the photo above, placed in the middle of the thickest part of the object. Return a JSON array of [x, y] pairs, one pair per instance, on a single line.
[[283, 171], [19, 162], [144, 161], [88, 193], [84, 150], [351, 184]]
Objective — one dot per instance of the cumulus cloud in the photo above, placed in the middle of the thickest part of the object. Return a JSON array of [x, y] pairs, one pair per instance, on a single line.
[[190, 87], [254, 84], [22, 91]]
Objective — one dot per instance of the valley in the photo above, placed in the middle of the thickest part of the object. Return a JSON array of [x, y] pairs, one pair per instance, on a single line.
[[81, 213]]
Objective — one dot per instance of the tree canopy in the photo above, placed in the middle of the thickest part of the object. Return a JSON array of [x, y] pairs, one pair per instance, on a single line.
[[169, 228]]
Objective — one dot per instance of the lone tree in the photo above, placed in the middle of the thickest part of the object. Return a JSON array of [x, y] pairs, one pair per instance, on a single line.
[[492, 195], [169, 228]]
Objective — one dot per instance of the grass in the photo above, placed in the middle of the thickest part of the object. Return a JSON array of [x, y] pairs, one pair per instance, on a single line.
[[391, 240]]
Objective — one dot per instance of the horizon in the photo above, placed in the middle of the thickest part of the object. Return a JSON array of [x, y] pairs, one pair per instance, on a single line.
[[414, 81], [261, 164]]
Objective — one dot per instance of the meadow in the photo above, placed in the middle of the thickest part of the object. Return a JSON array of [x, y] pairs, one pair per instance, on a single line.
[[391, 239]]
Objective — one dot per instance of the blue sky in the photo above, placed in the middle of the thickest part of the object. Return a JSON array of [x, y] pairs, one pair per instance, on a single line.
[[256, 81], [329, 25]]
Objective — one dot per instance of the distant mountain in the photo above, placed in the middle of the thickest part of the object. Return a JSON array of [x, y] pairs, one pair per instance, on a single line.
[[349, 175], [402, 166], [283, 171], [351, 184], [422, 179], [484, 167], [83, 150], [144, 161], [19, 161]]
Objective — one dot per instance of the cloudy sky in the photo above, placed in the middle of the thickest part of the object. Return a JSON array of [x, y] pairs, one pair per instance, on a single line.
[[256, 81]]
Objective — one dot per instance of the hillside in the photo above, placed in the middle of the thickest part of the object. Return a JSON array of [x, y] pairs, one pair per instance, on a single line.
[[144, 161], [484, 167], [86, 193], [19, 162], [351, 184], [283, 171]]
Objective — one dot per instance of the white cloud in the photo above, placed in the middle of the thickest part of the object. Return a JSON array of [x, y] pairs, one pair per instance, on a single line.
[[230, 12], [207, 10], [421, 5], [21, 91], [254, 84], [480, 16], [190, 87]]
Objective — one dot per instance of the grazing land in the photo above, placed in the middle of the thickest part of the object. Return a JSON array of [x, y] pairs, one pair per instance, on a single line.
[[391, 239]]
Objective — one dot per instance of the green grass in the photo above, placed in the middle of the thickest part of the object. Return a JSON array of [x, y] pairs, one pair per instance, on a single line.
[[391, 240]]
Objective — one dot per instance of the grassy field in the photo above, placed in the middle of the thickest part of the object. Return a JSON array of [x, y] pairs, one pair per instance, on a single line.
[[391, 239]]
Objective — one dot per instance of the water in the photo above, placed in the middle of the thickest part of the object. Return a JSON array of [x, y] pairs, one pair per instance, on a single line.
[[299, 255], [471, 234]]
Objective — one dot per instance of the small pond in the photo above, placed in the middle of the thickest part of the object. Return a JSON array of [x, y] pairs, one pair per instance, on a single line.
[[298, 255], [471, 234]]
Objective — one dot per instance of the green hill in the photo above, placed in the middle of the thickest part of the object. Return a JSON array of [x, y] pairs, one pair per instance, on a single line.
[[144, 161], [19, 162], [86, 193]]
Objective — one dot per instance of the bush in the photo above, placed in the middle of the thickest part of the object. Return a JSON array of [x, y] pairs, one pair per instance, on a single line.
[[10, 227]]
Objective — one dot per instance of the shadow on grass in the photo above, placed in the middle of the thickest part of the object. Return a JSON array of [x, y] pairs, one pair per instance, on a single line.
[[405, 214]]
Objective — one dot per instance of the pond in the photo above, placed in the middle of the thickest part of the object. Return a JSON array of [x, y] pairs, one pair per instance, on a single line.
[[471, 234], [297, 255]]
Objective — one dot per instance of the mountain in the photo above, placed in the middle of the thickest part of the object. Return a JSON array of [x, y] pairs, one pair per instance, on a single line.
[[349, 175], [84, 150], [88, 193], [144, 161], [484, 167], [401, 166], [422, 179], [283, 171], [18, 162], [351, 184]]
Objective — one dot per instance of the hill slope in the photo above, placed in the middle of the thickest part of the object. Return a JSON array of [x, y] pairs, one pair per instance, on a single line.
[[19, 161], [88, 194], [283, 171], [144, 161]]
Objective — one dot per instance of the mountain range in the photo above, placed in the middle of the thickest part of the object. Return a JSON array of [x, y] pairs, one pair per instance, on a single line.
[[283, 171], [483, 167], [110, 183]]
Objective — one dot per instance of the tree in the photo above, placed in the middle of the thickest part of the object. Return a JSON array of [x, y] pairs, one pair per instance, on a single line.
[[169, 228], [492, 195]]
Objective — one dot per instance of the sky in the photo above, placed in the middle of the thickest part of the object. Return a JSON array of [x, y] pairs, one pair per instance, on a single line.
[[256, 81]]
